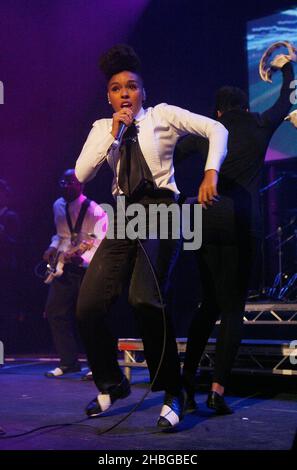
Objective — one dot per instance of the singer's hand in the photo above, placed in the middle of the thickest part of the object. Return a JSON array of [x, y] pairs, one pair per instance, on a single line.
[[208, 193], [125, 115]]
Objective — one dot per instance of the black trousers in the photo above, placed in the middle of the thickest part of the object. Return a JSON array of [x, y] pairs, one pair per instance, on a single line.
[[114, 262], [60, 310], [225, 272]]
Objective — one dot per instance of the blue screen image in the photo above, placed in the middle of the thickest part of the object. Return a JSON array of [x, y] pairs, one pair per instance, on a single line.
[[262, 33]]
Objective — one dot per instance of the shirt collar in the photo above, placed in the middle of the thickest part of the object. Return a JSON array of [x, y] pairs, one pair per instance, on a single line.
[[78, 201], [140, 115]]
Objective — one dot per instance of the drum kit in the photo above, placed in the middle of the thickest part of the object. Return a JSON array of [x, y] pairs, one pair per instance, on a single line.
[[284, 287]]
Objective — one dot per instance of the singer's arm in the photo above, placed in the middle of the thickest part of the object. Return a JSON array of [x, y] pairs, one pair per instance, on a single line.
[[94, 151], [184, 122]]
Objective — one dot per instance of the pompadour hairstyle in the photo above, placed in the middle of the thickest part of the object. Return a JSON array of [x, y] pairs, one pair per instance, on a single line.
[[119, 58]]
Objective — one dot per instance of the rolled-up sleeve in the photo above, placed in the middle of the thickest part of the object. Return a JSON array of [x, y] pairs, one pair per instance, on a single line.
[[55, 241], [185, 122], [94, 151], [98, 225]]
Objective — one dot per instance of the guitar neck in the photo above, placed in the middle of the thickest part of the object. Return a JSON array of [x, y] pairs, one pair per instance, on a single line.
[[82, 247]]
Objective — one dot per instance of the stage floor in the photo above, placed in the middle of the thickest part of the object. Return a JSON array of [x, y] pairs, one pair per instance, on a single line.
[[265, 415]]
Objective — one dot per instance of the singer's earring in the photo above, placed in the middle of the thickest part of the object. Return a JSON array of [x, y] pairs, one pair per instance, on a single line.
[[108, 99]]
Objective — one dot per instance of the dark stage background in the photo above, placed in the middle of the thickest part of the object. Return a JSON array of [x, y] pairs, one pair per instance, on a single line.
[[53, 91]]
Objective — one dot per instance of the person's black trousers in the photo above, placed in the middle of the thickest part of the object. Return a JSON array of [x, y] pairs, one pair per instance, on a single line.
[[115, 261], [225, 272], [60, 311]]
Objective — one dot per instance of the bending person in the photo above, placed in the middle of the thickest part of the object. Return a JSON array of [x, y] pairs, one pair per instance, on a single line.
[[231, 231]]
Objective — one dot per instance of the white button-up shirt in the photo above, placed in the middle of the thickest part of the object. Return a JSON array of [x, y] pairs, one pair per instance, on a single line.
[[94, 223], [159, 128]]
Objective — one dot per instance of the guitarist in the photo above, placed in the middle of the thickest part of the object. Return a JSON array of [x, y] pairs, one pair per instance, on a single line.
[[75, 219]]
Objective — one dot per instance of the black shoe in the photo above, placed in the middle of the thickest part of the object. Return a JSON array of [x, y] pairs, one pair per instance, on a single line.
[[105, 399], [216, 402], [62, 370], [87, 376], [172, 411]]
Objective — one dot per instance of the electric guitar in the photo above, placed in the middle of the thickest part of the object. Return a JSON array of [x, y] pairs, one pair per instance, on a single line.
[[55, 267]]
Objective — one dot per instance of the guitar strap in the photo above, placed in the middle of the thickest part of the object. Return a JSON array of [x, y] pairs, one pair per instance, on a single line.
[[74, 231]]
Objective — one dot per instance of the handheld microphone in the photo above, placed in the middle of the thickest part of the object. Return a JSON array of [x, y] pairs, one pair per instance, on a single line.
[[119, 136]]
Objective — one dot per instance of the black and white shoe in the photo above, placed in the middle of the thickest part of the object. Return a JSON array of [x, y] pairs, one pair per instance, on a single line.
[[105, 399], [62, 370], [172, 411]]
